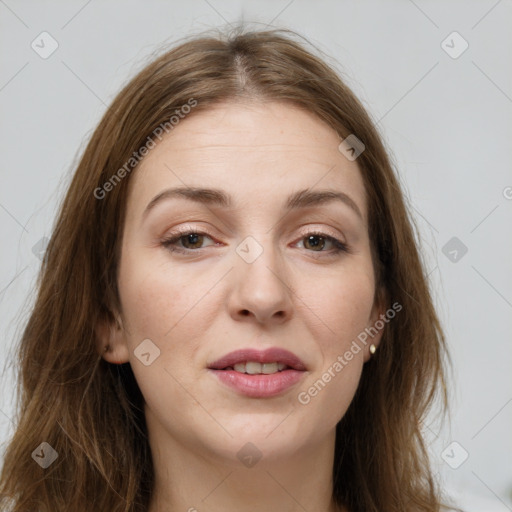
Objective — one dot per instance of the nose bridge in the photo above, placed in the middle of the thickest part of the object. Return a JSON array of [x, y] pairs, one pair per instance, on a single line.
[[261, 286]]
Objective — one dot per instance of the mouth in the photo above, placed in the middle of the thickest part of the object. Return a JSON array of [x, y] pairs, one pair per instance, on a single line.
[[253, 361], [259, 374], [255, 368]]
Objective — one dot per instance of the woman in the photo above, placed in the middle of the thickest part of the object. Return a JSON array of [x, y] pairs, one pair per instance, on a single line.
[[232, 312]]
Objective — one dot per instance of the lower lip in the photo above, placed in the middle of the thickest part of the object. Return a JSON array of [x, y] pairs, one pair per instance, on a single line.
[[259, 386]]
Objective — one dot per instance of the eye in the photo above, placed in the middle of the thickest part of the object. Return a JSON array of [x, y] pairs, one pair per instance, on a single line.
[[191, 241], [317, 241]]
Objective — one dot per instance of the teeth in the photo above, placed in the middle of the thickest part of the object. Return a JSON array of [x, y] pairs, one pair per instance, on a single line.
[[254, 368], [268, 368]]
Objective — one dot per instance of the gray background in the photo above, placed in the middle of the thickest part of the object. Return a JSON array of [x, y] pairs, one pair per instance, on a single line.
[[447, 121]]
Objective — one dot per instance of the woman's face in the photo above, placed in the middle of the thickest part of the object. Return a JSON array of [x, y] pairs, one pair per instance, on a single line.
[[258, 271]]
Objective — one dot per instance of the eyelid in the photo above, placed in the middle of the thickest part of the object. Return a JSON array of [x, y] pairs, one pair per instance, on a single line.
[[322, 231], [186, 228]]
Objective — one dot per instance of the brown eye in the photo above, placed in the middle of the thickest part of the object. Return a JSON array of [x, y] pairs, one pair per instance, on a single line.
[[314, 242], [324, 244], [182, 242], [192, 240]]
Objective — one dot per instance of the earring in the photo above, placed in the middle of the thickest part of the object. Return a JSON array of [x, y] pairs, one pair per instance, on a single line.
[[373, 348], [107, 348]]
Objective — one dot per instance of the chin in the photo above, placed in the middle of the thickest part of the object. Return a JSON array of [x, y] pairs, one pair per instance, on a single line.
[[247, 450], [275, 432]]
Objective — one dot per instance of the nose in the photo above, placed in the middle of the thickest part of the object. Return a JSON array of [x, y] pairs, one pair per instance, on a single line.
[[260, 290]]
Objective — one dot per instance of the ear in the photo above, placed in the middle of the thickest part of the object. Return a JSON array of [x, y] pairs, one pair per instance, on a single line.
[[376, 323], [110, 340]]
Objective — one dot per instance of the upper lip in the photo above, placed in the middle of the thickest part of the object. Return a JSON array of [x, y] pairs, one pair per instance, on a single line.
[[271, 355]]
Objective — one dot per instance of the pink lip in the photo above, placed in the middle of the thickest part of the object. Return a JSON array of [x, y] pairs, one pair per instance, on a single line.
[[259, 386], [271, 355]]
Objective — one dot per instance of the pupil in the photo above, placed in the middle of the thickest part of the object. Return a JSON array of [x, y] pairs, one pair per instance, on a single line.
[[192, 238], [317, 244]]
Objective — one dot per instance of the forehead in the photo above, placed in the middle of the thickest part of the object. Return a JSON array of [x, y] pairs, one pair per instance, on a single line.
[[253, 151]]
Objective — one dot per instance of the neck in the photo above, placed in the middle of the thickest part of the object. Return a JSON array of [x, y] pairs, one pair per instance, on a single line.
[[194, 479]]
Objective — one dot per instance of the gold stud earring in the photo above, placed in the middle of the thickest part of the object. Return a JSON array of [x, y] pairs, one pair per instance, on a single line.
[[373, 348]]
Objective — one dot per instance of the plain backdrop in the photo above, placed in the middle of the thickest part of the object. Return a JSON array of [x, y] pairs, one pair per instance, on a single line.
[[441, 100]]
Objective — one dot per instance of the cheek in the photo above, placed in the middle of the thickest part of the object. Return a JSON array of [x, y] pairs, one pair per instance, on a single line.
[[156, 296], [173, 306], [343, 304], [331, 387], [344, 307], [169, 307], [330, 394]]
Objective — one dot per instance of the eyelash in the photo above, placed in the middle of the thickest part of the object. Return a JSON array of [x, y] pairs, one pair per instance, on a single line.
[[168, 242]]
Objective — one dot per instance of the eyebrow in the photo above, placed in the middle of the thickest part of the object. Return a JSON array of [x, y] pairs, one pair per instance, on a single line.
[[216, 197]]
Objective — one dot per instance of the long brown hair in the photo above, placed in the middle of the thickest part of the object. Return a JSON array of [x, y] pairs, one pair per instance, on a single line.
[[91, 412]]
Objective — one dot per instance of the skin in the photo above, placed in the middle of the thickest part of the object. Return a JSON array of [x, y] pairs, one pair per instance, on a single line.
[[198, 306]]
